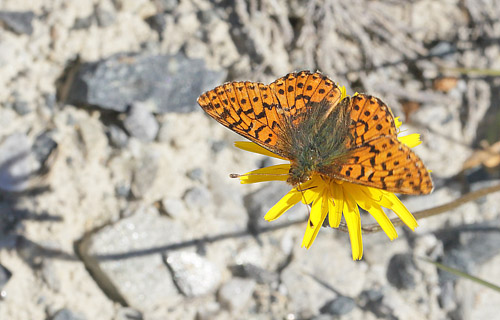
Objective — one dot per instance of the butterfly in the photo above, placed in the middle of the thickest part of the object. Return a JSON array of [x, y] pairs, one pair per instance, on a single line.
[[302, 117]]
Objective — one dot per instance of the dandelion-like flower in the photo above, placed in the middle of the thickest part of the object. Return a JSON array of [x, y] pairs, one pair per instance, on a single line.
[[333, 198]]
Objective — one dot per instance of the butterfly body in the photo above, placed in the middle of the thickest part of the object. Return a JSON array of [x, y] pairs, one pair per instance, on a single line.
[[301, 117], [318, 142]]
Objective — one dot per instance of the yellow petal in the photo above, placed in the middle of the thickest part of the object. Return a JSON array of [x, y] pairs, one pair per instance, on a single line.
[[338, 199], [353, 221], [356, 191], [384, 222], [278, 172], [411, 140], [343, 92], [399, 208], [288, 201], [309, 195], [319, 210], [311, 189], [378, 196], [397, 122], [253, 147], [333, 219]]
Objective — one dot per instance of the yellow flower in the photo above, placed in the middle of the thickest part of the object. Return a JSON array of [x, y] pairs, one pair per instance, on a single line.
[[333, 198]]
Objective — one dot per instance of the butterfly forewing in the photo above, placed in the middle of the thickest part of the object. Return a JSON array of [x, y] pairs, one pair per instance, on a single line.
[[371, 118], [260, 112]]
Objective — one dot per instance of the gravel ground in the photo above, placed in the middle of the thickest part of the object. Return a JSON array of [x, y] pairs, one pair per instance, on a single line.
[[115, 200]]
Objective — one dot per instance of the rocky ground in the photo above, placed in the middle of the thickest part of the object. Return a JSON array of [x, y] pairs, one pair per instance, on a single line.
[[115, 200]]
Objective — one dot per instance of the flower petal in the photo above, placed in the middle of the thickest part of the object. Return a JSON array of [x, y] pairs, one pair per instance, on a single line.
[[288, 201], [277, 172], [332, 217], [335, 215], [397, 122], [253, 147], [319, 210], [309, 195], [401, 211], [378, 196], [353, 221], [411, 140], [370, 205], [343, 92], [384, 222]]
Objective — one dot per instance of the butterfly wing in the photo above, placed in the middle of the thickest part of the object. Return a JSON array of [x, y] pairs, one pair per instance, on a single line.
[[299, 91], [388, 164], [370, 118], [376, 157], [261, 112]]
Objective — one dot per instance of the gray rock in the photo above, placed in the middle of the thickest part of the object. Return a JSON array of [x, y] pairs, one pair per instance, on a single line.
[[125, 259], [16, 163], [372, 300], [371, 295], [174, 207], [43, 146], [19, 22], [197, 197], [22, 107], [83, 23], [104, 17], [66, 314], [257, 273], [339, 306], [447, 295], [50, 100], [208, 311], [49, 275], [218, 145], [442, 49], [236, 293], [169, 5], [171, 82], [193, 274], [145, 173], [401, 271], [141, 123], [117, 136], [195, 174], [122, 190], [157, 23], [5, 275], [323, 317], [125, 313]]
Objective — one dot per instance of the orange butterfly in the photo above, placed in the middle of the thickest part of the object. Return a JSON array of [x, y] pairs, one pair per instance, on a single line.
[[301, 117]]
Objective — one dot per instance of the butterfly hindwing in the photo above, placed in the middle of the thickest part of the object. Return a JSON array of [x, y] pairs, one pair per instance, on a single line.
[[388, 164]]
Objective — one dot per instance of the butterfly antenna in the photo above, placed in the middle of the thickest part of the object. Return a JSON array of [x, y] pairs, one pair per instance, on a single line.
[[237, 175]]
